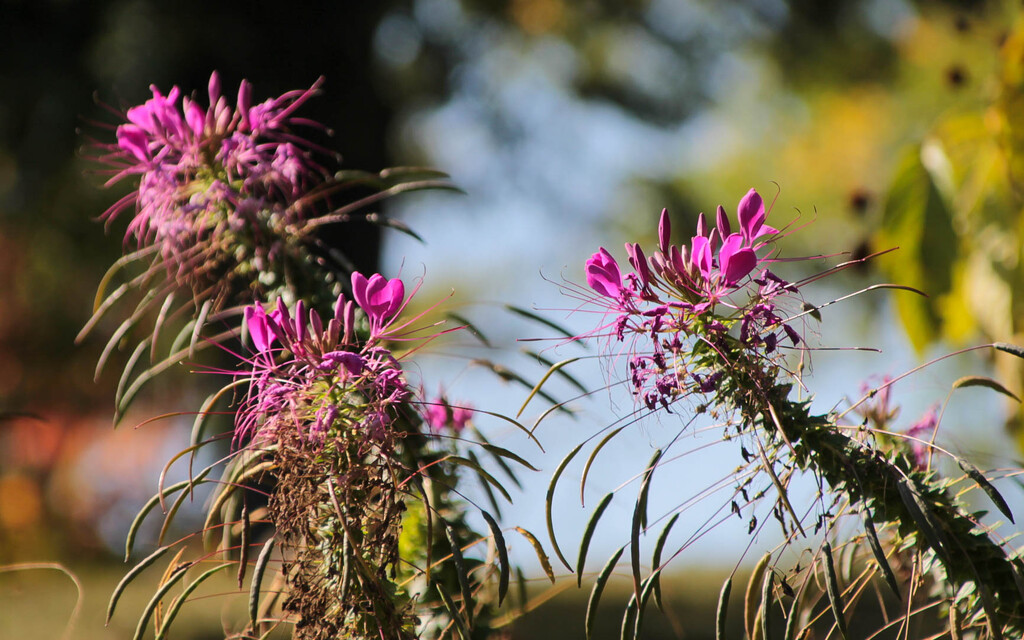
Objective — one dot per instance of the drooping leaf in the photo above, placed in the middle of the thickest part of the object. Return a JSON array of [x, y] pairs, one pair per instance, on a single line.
[[463, 575], [529, 315], [593, 456], [565, 375], [656, 560], [587, 535], [176, 604], [982, 381], [879, 553], [598, 589], [922, 517], [503, 564], [482, 473], [767, 600], [549, 499], [540, 383], [453, 611], [722, 611], [751, 601], [640, 521], [131, 575], [986, 486], [832, 589], [260, 568], [147, 613], [545, 563]]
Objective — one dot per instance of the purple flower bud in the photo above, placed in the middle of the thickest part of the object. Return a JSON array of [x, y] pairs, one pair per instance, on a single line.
[[603, 274], [639, 263], [751, 215], [664, 231], [722, 222]]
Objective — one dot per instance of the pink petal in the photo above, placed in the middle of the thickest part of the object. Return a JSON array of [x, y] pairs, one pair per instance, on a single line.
[[735, 260]]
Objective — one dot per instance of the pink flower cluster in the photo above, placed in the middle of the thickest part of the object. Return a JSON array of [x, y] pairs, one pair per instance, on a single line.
[[674, 297], [330, 376], [212, 170]]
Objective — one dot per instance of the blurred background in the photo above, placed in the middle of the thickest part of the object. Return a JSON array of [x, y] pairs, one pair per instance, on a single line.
[[569, 125]]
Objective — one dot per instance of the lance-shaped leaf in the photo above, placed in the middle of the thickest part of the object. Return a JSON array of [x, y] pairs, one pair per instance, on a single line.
[[982, 381], [545, 563], [131, 575], [593, 456], [598, 589], [832, 589], [549, 499], [640, 521], [503, 564], [176, 604], [587, 535], [751, 601], [529, 315], [463, 575], [262, 560], [879, 553], [986, 486], [722, 612], [656, 560], [147, 613], [540, 383]]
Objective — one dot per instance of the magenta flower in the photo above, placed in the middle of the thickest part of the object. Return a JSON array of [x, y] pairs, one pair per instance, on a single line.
[[701, 255], [379, 297], [923, 429], [603, 274], [735, 260], [751, 215], [439, 414], [259, 327]]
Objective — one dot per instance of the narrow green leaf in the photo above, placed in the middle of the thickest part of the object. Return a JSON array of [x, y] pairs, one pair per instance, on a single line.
[[593, 456], [460, 571], [480, 471], [723, 609], [879, 553], [158, 324], [545, 563], [645, 595], [177, 603], [549, 499], [751, 601], [398, 225], [199, 325], [587, 535], [536, 388], [656, 560], [262, 560], [453, 612], [561, 371], [473, 329], [503, 564], [640, 521], [133, 530], [922, 517], [982, 381], [131, 575], [834, 594], [514, 423], [529, 315], [500, 453], [629, 620], [598, 589], [986, 486], [767, 599], [509, 375], [177, 574]]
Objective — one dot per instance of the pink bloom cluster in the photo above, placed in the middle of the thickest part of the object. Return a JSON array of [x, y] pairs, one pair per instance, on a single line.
[[440, 415], [331, 379], [674, 297], [212, 170]]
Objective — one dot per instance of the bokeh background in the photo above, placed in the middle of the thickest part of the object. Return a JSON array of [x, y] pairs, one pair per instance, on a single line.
[[569, 125]]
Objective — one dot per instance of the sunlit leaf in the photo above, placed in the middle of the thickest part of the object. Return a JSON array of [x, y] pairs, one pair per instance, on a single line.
[[587, 535]]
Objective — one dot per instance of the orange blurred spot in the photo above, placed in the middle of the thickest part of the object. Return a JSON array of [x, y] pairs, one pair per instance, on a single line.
[[21, 504]]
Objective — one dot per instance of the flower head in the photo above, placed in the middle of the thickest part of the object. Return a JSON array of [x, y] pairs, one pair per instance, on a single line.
[[603, 274], [379, 297]]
